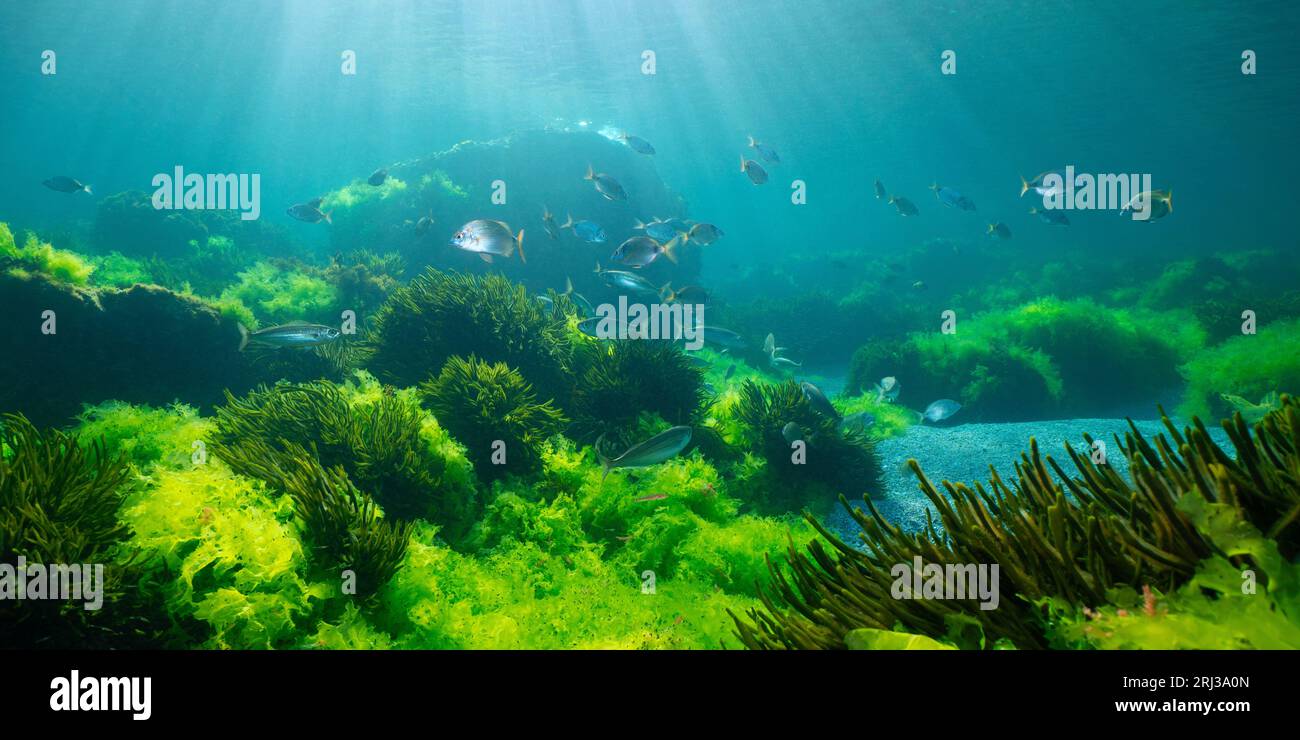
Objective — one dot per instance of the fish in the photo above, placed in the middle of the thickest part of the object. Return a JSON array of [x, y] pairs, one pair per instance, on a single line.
[[377, 177], [697, 361], [1000, 230], [626, 281], [754, 170], [651, 497], [942, 409], [309, 212], [905, 207], [857, 423], [722, 337], [423, 225], [294, 334], [887, 389], [588, 327], [640, 251], [588, 231], [769, 344], [548, 223], [487, 238], [605, 185], [704, 234], [767, 153], [584, 305], [545, 301], [689, 294], [779, 362], [731, 370], [818, 400], [919, 285], [1052, 216], [1162, 204], [65, 184], [658, 448], [660, 230], [1253, 412], [1037, 185], [951, 198], [880, 190], [637, 144], [792, 432]]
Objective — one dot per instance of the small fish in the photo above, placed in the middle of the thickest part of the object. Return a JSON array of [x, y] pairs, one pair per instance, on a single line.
[[588, 231], [942, 409], [1037, 185], [1253, 412], [651, 497], [697, 361], [792, 432], [857, 423], [655, 450], [919, 285], [606, 185], [1161, 204], [766, 152], [487, 238], [689, 294], [637, 144], [704, 234], [660, 230], [548, 223], [754, 170], [584, 305], [623, 537], [769, 345], [640, 251], [880, 190], [626, 281], [723, 337], [783, 362], [999, 229], [423, 225], [951, 198], [818, 400], [545, 301], [66, 185], [1054, 216], [588, 327], [309, 212], [295, 334], [731, 370], [905, 207], [887, 390], [378, 177]]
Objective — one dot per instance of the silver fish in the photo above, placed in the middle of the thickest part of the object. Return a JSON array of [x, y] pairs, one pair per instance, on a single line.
[[626, 281], [1039, 187], [766, 152], [942, 409], [487, 238], [723, 337], [657, 229], [857, 423], [704, 234], [606, 185], [655, 450], [818, 400], [637, 144], [295, 334], [1160, 202], [640, 251], [754, 170]]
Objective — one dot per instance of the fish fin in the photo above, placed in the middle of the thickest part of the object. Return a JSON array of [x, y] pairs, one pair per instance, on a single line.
[[639, 226], [934, 187], [670, 250], [1024, 186], [519, 242], [992, 227], [752, 142], [891, 200], [568, 221], [328, 220], [667, 293], [87, 189], [742, 163], [485, 257], [243, 336], [591, 174], [568, 286], [1169, 198], [597, 267]]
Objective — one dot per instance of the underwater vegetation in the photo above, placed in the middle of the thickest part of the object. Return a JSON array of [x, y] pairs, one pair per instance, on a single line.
[[617, 382], [492, 410], [1246, 366], [1182, 531]]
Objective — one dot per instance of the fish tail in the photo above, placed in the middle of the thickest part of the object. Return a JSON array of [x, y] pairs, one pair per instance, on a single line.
[[742, 163], [568, 286], [568, 221], [87, 189], [328, 220], [243, 336], [752, 142], [670, 249], [639, 226], [519, 242], [591, 174], [991, 229], [597, 270], [1169, 199], [934, 187], [1024, 186], [667, 293]]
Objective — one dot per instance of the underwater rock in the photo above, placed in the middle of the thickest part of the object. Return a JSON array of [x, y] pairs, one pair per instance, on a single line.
[[540, 170], [127, 222]]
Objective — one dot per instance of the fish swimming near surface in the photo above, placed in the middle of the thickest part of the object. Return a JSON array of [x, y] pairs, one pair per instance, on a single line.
[[606, 185], [689, 294], [620, 280], [657, 229], [309, 212], [754, 170], [1162, 204], [1000, 230], [942, 409], [66, 185], [640, 251], [1039, 187], [704, 234], [904, 206], [487, 238], [291, 335], [637, 144], [658, 448], [880, 190], [1053, 216], [818, 400], [588, 231], [767, 153], [378, 177]]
